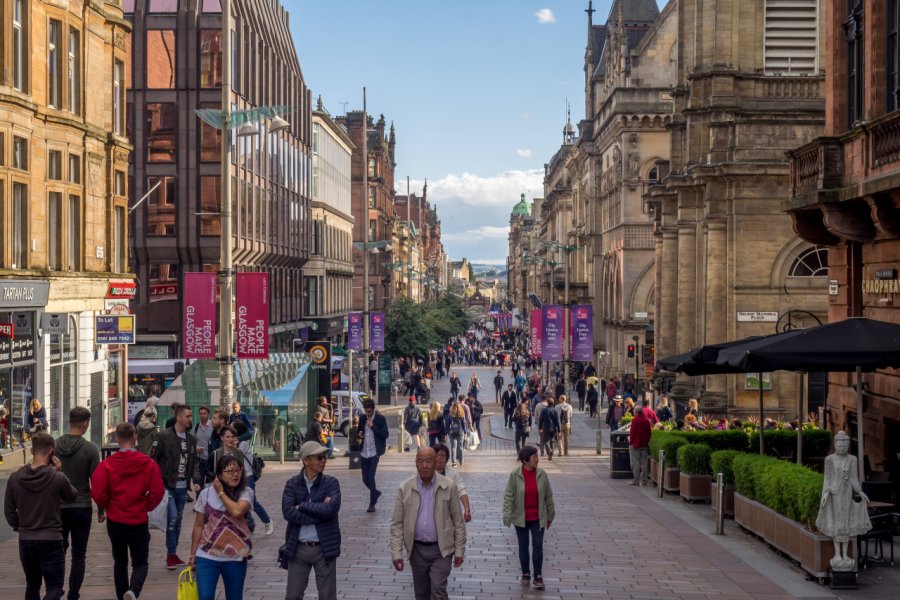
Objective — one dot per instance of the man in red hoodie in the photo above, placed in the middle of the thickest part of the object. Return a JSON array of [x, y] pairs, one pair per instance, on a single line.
[[639, 447], [128, 485]]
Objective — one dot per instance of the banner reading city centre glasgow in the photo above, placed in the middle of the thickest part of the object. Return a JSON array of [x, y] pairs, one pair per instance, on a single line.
[[199, 315], [376, 331], [252, 315], [552, 338], [536, 333], [354, 331], [582, 332]]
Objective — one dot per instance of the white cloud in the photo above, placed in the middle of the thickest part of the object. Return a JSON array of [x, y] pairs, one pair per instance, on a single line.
[[544, 16], [501, 190], [524, 152], [479, 233]]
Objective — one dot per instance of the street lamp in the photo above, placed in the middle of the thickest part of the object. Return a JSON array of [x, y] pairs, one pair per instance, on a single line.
[[368, 248], [567, 350]]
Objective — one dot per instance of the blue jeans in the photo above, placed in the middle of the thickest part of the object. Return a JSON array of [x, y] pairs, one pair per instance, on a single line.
[[177, 498], [537, 547], [233, 573], [257, 507], [456, 448], [43, 560], [369, 467]]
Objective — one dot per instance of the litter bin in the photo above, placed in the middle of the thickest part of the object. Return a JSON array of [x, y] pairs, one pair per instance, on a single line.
[[619, 461], [355, 462]]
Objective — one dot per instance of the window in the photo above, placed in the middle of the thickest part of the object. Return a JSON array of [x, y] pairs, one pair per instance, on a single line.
[[118, 98], [161, 207], [212, 6], [311, 292], [2, 151], [791, 37], [74, 168], [128, 6], [20, 153], [163, 6], [210, 205], [210, 58], [162, 120], [161, 59], [74, 233], [19, 43], [54, 230], [164, 282], [74, 71], [372, 225], [20, 226], [210, 138], [372, 197], [811, 263], [317, 227], [853, 34], [119, 256], [119, 184], [893, 55], [61, 397], [371, 167], [53, 66], [54, 165]]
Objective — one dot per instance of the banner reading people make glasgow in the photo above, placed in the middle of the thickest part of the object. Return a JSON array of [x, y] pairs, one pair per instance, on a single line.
[[354, 331], [252, 315], [552, 337], [582, 332], [536, 333], [199, 315], [376, 331]]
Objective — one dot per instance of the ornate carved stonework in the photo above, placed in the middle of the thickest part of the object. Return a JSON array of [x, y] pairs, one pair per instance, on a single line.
[[119, 40]]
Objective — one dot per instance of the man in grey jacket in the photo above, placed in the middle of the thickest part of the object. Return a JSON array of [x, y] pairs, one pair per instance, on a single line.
[[79, 459], [429, 524]]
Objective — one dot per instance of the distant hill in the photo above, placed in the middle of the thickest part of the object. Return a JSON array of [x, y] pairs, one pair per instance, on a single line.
[[486, 270]]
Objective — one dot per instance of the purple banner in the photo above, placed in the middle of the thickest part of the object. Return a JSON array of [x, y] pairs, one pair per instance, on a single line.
[[376, 331], [552, 332], [252, 315], [582, 332], [536, 333], [199, 337], [354, 331]]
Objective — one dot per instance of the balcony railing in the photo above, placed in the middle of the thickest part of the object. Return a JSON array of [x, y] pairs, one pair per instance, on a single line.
[[819, 165], [884, 136]]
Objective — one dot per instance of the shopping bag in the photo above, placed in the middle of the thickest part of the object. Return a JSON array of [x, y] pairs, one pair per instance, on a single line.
[[157, 518], [473, 440], [187, 585]]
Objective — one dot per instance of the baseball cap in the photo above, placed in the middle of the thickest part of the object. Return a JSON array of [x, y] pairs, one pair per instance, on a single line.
[[311, 449]]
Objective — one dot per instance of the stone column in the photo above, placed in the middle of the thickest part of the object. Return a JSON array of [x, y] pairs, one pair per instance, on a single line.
[[716, 301], [687, 288], [667, 295]]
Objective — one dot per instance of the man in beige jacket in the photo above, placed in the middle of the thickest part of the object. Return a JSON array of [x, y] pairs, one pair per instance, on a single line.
[[429, 524]]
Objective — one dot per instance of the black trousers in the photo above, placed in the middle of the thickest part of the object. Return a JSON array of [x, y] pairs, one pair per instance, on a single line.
[[532, 529], [125, 540], [76, 529], [43, 560]]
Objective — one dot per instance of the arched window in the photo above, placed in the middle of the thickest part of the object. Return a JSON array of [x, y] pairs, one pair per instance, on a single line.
[[811, 263], [653, 175]]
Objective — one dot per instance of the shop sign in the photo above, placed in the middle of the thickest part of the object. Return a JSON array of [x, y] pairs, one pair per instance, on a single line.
[[7, 329], [117, 306], [23, 341], [121, 289], [148, 352], [114, 329], [55, 323], [20, 292], [881, 286], [757, 317]]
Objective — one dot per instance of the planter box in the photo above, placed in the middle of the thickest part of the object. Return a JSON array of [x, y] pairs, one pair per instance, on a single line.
[[811, 550], [729, 498], [672, 480], [654, 471], [694, 488]]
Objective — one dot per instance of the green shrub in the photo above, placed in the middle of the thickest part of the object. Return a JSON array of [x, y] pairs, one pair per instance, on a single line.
[[726, 439], [671, 446], [694, 459], [782, 443], [720, 461], [788, 489], [657, 438]]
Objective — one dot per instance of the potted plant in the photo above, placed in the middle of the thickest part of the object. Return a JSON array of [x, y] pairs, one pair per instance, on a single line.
[[693, 460], [671, 480], [721, 462]]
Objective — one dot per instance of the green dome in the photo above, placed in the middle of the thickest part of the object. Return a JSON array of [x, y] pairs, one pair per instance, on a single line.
[[521, 209]]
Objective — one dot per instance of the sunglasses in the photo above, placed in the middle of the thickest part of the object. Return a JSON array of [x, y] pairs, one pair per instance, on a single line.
[[232, 471]]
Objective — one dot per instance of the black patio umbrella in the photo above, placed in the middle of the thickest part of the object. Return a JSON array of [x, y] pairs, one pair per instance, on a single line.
[[854, 344]]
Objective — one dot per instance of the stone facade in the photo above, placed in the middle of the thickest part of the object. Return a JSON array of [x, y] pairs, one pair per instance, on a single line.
[[846, 197], [63, 204], [725, 246]]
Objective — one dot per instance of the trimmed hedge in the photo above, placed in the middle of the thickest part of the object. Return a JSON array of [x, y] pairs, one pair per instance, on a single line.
[[786, 488], [783, 443], [694, 459], [725, 439], [721, 461], [669, 441]]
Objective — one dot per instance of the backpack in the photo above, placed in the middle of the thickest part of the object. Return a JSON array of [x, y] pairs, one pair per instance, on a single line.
[[412, 415], [456, 427], [564, 417], [258, 466]]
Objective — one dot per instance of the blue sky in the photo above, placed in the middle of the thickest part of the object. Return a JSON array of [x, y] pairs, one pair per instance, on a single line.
[[476, 90]]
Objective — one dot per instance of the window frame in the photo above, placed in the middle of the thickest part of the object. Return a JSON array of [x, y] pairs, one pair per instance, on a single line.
[[54, 64], [854, 46], [73, 74], [892, 55], [74, 237], [19, 43]]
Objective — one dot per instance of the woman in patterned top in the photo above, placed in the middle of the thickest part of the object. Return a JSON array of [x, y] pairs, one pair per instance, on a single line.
[[220, 541]]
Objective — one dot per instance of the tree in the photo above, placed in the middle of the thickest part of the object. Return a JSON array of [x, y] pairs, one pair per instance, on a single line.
[[416, 329]]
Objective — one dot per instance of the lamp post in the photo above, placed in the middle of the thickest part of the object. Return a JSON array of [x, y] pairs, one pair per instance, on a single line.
[[367, 248], [567, 350], [226, 120]]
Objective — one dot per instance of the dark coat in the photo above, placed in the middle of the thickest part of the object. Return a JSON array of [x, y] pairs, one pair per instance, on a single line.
[[166, 451], [300, 506], [379, 428], [549, 420]]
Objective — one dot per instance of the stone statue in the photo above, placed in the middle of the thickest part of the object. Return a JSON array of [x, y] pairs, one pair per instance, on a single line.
[[840, 516]]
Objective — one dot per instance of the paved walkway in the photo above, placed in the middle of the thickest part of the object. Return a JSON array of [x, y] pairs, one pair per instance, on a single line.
[[610, 540]]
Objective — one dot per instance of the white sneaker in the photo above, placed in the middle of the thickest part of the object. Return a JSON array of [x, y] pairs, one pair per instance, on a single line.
[[129, 595], [270, 528]]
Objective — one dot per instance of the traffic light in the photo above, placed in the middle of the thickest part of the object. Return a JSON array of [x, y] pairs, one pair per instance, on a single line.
[[645, 354], [630, 350]]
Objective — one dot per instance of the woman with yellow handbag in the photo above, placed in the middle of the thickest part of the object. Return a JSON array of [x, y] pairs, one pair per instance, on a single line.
[[220, 541]]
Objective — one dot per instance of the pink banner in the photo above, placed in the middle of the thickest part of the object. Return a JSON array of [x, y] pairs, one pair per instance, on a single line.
[[252, 315], [536, 333], [199, 332]]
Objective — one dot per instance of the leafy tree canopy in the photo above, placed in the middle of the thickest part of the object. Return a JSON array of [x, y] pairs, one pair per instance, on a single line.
[[416, 329]]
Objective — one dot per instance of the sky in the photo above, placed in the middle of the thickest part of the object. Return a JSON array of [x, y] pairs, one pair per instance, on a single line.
[[476, 90]]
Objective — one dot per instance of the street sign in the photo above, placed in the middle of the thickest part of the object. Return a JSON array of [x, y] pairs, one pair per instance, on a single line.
[[757, 317], [114, 329], [55, 323]]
